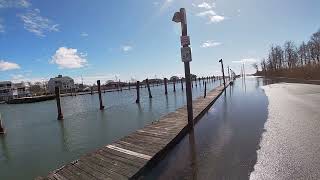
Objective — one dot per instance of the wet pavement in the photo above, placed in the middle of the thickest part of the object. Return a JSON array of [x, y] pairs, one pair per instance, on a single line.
[[253, 131]]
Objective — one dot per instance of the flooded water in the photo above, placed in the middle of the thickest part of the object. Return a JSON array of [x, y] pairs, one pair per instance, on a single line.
[[255, 130], [37, 143], [225, 141]]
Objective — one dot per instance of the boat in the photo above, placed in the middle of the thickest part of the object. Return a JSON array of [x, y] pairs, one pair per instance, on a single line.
[[26, 100]]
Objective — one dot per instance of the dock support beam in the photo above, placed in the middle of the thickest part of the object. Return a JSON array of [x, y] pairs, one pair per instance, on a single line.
[[138, 92], [148, 85], [165, 86], [60, 115], [100, 96]]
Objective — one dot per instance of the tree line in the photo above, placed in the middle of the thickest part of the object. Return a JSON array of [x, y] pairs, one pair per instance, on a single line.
[[291, 60]]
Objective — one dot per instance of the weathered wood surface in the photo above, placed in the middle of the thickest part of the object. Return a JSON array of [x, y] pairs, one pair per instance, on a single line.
[[132, 155]]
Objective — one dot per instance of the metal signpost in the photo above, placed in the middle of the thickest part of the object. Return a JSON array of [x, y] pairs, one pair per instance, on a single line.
[[180, 17]]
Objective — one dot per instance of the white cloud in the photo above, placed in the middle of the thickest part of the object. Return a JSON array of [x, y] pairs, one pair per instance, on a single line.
[[14, 4], [210, 43], [246, 60], [212, 16], [84, 34], [6, 66], [68, 58], [126, 48], [206, 5], [35, 23]]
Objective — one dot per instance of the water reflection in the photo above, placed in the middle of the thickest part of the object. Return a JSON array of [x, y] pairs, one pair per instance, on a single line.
[[193, 155], [4, 147]]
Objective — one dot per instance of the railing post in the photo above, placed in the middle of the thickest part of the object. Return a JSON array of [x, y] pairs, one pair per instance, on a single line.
[[100, 96], [165, 86], [57, 92], [138, 92], [148, 85]]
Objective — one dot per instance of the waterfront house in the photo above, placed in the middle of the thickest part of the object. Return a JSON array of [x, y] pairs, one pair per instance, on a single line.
[[64, 82], [9, 90]]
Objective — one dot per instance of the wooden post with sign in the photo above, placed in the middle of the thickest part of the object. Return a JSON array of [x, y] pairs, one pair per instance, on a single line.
[[180, 17], [100, 96], [148, 85], [165, 86], [138, 92], [224, 81]]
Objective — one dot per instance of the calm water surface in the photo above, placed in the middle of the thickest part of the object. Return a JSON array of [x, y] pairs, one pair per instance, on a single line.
[[37, 143], [225, 141]]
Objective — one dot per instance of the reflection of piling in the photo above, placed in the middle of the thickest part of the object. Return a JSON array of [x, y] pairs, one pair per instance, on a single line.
[[205, 90], [174, 85], [100, 97], [138, 92], [57, 91], [182, 84], [148, 85], [2, 131], [165, 86]]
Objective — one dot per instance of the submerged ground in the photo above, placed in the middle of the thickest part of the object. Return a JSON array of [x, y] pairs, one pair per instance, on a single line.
[[256, 130]]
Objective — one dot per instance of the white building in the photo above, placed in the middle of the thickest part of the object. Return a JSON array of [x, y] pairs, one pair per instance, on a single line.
[[9, 90], [64, 82]]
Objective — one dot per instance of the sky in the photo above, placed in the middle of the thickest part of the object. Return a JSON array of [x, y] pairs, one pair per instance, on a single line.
[[136, 39]]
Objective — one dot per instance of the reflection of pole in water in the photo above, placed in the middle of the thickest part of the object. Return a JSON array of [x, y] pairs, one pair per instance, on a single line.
[[5, 148], [167, 103], [193, 154], [64, 136]]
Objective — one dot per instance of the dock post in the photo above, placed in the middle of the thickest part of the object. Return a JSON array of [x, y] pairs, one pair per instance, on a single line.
[[224, 80], [138, 92], [174, 85], [228, 73], [180, 17], [60, 115], [100, 97], [129, 86], [91, 88], [182, 84], [165, 86], [148, 85], [205, 89]]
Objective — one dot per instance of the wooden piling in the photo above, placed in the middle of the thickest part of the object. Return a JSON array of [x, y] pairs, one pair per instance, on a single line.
[[100, 96], [91, 88], [148, 85], [129, 86], [60, 115], [174, 85], [165, 86], [138, 92], [205, 90], [182, 84]]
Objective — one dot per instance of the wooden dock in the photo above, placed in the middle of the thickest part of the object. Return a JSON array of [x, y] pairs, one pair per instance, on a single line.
[[131, 156]]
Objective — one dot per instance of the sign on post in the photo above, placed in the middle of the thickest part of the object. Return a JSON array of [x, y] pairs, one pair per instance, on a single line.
[[186, 54], [185, 40]]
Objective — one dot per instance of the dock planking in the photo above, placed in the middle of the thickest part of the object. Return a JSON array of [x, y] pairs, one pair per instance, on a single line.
[[132, 155]]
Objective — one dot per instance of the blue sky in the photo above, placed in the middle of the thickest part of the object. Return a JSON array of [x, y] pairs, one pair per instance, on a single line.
[[136, 39]]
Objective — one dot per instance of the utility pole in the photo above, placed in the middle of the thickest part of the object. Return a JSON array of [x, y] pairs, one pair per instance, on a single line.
[[224, 81], [180, 17]]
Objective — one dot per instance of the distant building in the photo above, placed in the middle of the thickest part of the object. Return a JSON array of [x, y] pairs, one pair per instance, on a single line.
[[64, 82], [9, 90]]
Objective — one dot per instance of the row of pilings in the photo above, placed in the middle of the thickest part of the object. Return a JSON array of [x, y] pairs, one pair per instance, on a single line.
[[145, 84]]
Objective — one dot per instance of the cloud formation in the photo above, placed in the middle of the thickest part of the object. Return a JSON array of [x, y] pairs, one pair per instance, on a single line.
[[84, 34], [68, 58], [246, 60], [6, 65], [2, 29], [35, 23], [209, 13], [126, 48], [210, 43], [206, 5], [14, 4]]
